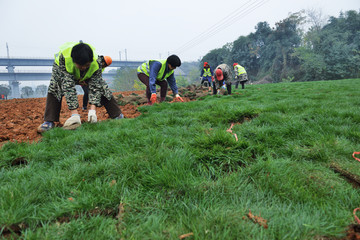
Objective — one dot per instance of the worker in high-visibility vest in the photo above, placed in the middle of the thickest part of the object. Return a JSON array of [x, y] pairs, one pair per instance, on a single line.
[[223, 77], [76, 64], [206, 75], [240, 75], [155, 72]]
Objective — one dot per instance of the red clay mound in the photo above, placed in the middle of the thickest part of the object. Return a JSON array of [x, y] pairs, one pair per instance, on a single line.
[[19, 118]]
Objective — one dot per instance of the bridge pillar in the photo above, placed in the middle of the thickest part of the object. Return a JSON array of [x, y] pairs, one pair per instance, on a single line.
[[13, 83]]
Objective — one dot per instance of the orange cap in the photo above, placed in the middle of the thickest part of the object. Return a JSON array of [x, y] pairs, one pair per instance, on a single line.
[[108, 60], [219, 74]]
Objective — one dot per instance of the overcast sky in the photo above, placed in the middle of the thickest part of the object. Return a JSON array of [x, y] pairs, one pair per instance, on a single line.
[[147, 29]]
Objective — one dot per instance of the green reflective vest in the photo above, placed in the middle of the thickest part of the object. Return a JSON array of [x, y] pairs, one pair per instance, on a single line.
[[145, 68], [240, 69], [207, 72], [70, 66]]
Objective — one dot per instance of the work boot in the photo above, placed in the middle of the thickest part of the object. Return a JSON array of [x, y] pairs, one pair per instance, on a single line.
[[121, 116], [46, 126]]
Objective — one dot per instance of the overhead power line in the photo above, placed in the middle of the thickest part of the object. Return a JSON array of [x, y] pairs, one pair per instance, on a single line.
[[229, 20], [224, 23], [210, 29]]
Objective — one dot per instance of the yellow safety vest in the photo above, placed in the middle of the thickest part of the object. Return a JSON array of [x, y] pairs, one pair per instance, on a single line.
[[71, 68], [207, 72], [240, 69], [145, 68]]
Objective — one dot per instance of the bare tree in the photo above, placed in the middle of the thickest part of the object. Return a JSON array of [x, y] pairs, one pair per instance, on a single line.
[[5, 90], [27, 91], [41, 90], [316, 19]]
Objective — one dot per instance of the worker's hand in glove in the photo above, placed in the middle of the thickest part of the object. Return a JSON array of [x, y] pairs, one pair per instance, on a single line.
[[236, 77], [178, 98], [153, 98], [200, 78], [223, 86], [92, 118], [212, 78], [72, 122]]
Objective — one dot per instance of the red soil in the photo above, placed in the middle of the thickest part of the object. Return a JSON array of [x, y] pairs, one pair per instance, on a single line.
[[20, 118]]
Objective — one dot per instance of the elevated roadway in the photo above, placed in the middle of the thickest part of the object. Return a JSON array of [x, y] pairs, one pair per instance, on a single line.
[[35, 62], [13, 77], [38, 76]]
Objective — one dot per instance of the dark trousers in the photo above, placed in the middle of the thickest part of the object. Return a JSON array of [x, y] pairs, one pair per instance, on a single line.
[[163, 87], [204, 81], [207, 80], [53, 108], [242, 84], [228, 87], [86, 96], [214, 88]]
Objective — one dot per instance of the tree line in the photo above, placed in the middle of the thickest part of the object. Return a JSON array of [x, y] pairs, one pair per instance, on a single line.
[[328, 50], [26, 92]]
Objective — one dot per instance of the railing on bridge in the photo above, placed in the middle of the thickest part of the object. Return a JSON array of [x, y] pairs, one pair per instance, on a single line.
[[38, 76], [33, 62]]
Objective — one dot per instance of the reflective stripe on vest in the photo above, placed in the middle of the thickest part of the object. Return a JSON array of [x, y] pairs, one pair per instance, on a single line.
[[240, 69], [207, 72], [145, 68], [70, 66]]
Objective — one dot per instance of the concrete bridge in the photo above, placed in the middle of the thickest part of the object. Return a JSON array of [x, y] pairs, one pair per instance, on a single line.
[[13, 77]]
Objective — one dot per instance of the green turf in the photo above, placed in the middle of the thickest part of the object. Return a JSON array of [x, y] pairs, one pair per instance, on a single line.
[[176, 170]]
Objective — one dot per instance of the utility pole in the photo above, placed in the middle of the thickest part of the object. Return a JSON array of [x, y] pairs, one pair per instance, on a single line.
[[15, 93], [7, 48], [120, 55], [125, 57]]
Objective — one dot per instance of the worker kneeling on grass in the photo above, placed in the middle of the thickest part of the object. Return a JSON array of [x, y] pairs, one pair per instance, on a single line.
[[223, 77], [206, 75], [154, 72], [240, 75], [76, 64]]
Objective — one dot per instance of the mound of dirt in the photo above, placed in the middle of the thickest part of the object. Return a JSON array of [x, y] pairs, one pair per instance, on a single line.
[[19, 118], [188, 93]]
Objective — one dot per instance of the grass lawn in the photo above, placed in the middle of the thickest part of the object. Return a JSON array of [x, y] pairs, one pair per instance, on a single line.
[[176, 170]]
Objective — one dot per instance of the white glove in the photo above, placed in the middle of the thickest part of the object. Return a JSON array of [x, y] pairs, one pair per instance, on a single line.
[[72, 122], [178, 98], [92, 118], [223, 86]]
